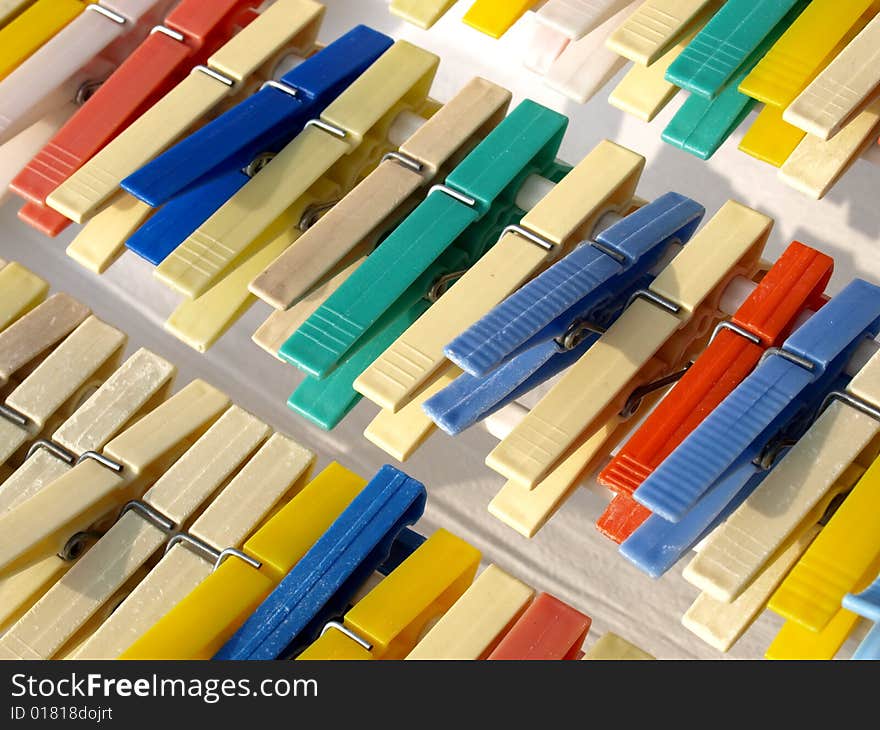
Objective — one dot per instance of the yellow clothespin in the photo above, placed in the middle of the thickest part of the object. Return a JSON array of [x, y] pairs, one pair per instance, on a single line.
[[9, 9], [423, 13], [472, 628], [388, 622], [202, 621], [796, 642], [142, 382], [496, 17], [770, 139], [20, 292], [604, 182], [582, 417], [615, 648], [23, 35], [102, 481]]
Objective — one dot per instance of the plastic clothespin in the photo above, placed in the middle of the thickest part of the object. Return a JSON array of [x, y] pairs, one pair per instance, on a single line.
[[842, 89], [377, 204], [10, 9], [611, 647], [472, 628], [770, 139], [20, 291], [550, 322], [423, 13], [33, 27], [100, 482], [733, 35], [321, 584], [191, 180], [496, 17], [85, 358], [559, 22], [191, 33], [142, 382], [547, 629], [286, 25], [603, 182], [823, 466], [656, 26], [587, 412], [791, 383], [793, 285], [487, 181], [143, 526], [215, 606], [795, 642], [388, 621], [867, 605]]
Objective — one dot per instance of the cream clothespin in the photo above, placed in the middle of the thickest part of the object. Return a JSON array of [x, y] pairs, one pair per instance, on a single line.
[[824, 464], [20, 292], [423, 13], [100, 482], [611, 647], [475, 624], [549, 451], [137, 387], [603, 182]]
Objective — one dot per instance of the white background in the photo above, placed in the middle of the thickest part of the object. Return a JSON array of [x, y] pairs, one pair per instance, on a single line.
[[568, 558]]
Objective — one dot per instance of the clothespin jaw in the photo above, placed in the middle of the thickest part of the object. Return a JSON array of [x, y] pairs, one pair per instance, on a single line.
[[548, 629], [24, 35], [323, 581], [20, 291], [423, 13], [793, 285], [795, 642], [496, 17], [392, 617], [611, 647], [770, 139]]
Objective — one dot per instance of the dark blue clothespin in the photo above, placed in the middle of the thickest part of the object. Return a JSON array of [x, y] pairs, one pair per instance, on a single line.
[[196, 176], [322, 584], [549, 323]]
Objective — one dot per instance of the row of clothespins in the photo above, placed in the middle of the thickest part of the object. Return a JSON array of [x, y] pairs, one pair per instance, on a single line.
[[137, 523], [812, 65]]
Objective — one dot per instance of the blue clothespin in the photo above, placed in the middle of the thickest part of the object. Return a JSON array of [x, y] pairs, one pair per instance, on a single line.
[[202, 171], [322, 584], [788, 382], [867, 605], [549, 323]]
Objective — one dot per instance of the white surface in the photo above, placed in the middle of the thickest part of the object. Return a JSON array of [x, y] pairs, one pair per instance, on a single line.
[[568, 558]]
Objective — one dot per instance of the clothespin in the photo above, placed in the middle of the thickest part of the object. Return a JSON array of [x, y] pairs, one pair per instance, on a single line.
[[603, 182], [111, 28], [740, 28], [204, 618], [552, 320], [191, 180], [611, 647], [10, 9], [547, 629], [796, 642], [585, 414], [867, 605], [793, 285], [387, 623], [20, 291], [823, 466], [560, 22], [842, 89], [809, 44], [656, 26], [322, 582], [791, 383], [190, 34], [101, 482], [496, 17], [142, 382], [86, 357], [33, 27], [423, 13], [353, 226], [472, 628], [289, 25], [252, 470]]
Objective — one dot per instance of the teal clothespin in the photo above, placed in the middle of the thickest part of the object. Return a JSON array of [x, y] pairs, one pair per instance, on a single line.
[[711, 60], [485, 182], [702, 125]]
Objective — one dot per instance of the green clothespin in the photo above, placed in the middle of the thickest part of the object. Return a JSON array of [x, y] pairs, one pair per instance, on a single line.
[[488, 179], [714, 57], [702, 125]]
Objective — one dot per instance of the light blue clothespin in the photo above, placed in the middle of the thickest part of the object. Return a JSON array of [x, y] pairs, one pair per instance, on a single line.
[[867, 605]]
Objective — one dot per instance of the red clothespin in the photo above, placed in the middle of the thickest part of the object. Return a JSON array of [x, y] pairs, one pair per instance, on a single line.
[[547, 629], [794, 284], [192, 32]]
